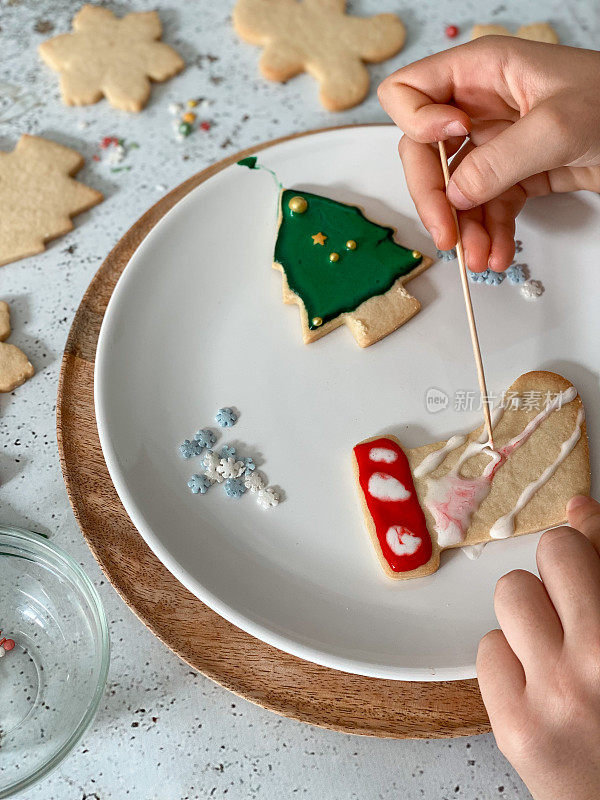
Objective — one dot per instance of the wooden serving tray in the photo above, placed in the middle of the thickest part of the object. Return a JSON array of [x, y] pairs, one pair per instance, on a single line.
[[269, 677]]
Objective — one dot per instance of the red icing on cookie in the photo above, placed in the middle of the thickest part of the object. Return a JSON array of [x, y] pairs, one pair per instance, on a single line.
[[387, 484]]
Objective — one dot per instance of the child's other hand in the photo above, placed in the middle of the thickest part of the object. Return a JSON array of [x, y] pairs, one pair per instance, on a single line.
[[531, 113], [540, 674]]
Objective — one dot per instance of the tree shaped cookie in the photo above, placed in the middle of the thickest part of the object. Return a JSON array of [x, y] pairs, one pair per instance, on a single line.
[[343, 269], [38, 196], [111, 57], [420, 501], [318, 37], [536, 32], [15, 368]]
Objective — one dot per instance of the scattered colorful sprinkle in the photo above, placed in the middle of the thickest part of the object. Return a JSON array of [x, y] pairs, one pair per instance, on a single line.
[[531, 290], [226, 417], [234, 487], [190, 448], [205, 437], [237, 474], [451, 31], [446, 255], [199, 484]]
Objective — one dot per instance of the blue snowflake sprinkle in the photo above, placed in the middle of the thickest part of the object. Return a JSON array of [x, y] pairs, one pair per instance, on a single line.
[[234, 487], [249, 464], [205, 437], [190, 448], [199, 483], [226, 417], [516, 273], [478, 277], [494, 278], [446, 255], [227, 451]]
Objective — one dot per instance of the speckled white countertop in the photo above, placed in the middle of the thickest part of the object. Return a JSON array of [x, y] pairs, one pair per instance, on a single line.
[[164, 732]]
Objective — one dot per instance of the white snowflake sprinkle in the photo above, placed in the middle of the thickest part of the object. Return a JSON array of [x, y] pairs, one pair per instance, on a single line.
[[230, 468], [211, 461], [175, 108], [254, 481], [268, 498], [531, 290]]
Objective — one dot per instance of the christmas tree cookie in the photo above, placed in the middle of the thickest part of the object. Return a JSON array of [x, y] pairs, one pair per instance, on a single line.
[[420, 501], [341, 268]]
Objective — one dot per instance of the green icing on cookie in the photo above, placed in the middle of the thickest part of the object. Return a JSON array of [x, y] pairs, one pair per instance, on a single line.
[[328, 287], [249, 162]]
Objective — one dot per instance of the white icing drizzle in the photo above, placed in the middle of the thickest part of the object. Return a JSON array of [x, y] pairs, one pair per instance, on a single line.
[[473, 551], [505, 526], [453, 499], [434, 459], [383, 454], [558, 402]]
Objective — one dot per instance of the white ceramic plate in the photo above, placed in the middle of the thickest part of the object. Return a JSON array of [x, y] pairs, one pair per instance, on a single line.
[[196, 322]]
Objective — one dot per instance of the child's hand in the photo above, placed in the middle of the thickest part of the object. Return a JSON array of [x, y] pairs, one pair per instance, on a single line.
[[532, 113], [540, 675]]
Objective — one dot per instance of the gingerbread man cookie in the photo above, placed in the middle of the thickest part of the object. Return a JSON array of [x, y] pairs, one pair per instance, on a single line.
[[536, 32], [38, 196], [319, 37], [15, 368], [111, 57]]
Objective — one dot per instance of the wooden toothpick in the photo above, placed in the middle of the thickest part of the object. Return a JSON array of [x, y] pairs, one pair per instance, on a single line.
[[469, 306]]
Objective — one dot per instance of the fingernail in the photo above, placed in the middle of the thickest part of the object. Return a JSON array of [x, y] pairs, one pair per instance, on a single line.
[[435, 235], [576, 502], [454, 128], [457, 198]]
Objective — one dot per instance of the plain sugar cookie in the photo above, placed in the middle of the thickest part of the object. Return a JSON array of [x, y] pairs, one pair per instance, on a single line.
[[38, 196], [319, 37], [15, 368], [536, 32], [111, 57]]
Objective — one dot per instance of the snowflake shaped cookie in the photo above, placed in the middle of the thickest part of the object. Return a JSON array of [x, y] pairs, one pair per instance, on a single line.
[[110, 57], [38, 196], [319, 37], [230, 468]]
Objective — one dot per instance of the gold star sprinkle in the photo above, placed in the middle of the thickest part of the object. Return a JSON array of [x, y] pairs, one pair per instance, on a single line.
[[318, 238]]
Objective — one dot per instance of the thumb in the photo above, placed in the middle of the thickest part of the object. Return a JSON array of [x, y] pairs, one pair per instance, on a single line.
[[583, 513], [534, 143]]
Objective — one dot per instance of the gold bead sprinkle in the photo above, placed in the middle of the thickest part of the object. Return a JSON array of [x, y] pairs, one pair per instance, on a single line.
[[351, 244], [317, 321], [298, 204], [416, 254], [189, 116], [334, 256], [192, 103]]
